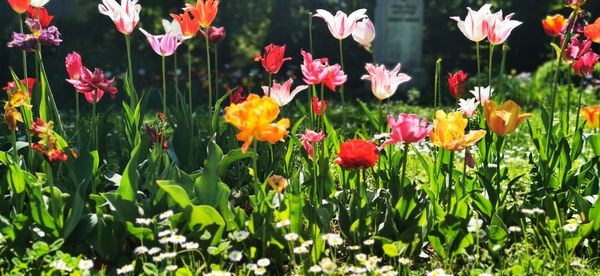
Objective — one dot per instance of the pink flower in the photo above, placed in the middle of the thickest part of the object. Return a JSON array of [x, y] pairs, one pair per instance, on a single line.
[[93, 85], [333, 76], [484, 92], [341, 25], [409, 128], [163, 45], [584, 66], [126, 16], [364, 33], [74, 65], [498, 28], [384, 83], [473, 26], [577, 48], [319, 107], [281, 94], [468, 107], [310, 137], [312, 69]]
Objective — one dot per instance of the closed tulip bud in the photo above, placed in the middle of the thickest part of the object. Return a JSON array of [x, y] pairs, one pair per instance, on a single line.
[[216, 35], [553, 25], [504, 119]]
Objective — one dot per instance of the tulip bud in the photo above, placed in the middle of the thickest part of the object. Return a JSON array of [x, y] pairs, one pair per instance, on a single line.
[[216, 35]]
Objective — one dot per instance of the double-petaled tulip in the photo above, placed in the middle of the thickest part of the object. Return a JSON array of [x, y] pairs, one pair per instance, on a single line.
[[409, 128], [576, 48], [19, 6], [499, 27], [237, 96], [592, 31], [92, 85], [254, 118], [591, 114], [364, 33], [38, 3], [468, 107], [384, 83], [125, 16], [308, 138], [341, 25], [333, 76], [282, 93], [41, 14], [272, 58], [503, 119], [457, 83], [553, 25], [584, 66], [312, 68], [45, 36], [357, 154], [474, 26], [205, 11], [482, 94], [319, 107], [188, 26], [214, 34], [164, 45], [449, 131]]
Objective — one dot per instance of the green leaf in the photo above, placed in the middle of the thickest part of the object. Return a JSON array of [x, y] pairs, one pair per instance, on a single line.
[[230, 158], [215, 116], [131, 177], [176, 192]]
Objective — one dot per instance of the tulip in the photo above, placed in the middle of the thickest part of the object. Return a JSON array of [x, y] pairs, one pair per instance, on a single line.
[[278, 183], [574, 4], [281, 94], [38, 3], [310, 137], [19, 6], [384, 83], [215, 35], [364, 33], [576, 49], [47, 143], [93, 85], [553, 25], [74, 65], [41, 14], [125, 16], [188, 27], [273, 58], [457, 83], [12, 87], [468, 107], [585, 65], [237, 96], [172, 27], [341, 25], [592, 31], [164, 45], [499, 28], [357, 154], [205, 11], [591, 114], [449, 132], [482, 94], [312, 69], [504, 119], [12, 116], [333, 76], [409, 128], [474, 26], [319, 107]]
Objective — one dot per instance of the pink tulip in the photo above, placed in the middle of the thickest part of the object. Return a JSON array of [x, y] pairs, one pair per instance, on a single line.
[[163, 45], [74, 65], [281, 94], [310, 137], [126, 15], [364, 33], [333, 76], [499, 28], [409, 128], [577, 48], [384, 83], [468, 107], [312, 69], [341, 25], [473, 26], [93, 85], [585, 65]]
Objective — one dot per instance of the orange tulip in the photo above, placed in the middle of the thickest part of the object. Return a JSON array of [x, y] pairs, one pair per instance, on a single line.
[[592, 31], [19, 6], [504, 119], [449, 131], [205, 11], [591, 114], [553, 25], [12, 116], [189, 26], [254, 119], [278, 183]]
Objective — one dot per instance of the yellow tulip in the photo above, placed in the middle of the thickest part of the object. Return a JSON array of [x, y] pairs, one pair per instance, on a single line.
[[503, 119], [254, 119], [278, 183], [449, 131], [591, 114]]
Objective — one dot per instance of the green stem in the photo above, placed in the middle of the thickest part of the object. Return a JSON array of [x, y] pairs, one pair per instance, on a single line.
[[450, 180], [436, 91], [189, 84], [270, 84], [216, 72], [134, 97], [50, 181], [175, 79], [13, 141], [464, 176], [569, 91], [499, 143], [500, 83], [323, 110], [164, 87], [310, 33], [208, 64], [94, 122], [50, 96], [580, 90], [342, 63], [478, 58], [404, 162], [491, 61]]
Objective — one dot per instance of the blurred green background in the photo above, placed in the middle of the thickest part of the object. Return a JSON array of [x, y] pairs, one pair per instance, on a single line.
[[252, 24]]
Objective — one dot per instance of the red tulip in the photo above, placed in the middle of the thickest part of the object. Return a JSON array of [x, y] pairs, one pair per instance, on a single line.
[[74, 65], [319, 107], [215, 35], [11, 86], [585, 65], [19, 6], [237, 96], [457, 83], [333, 76], [42, 14], [273, 58], [357, 154], [553, 25]]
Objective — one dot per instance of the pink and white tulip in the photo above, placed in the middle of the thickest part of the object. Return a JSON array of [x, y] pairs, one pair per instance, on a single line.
[[468, 107], [474, 26], [173, 27], [499, 28], [310, 137], [341, 25], [384, 83], [484, 92], [364, 33], [38, 3], [280, 92], [312, 69], [126, 15], [163, 45]]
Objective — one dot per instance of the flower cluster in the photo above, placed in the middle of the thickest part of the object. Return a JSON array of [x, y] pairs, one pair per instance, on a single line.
[[47, 143], [92, 85], [482, 24], [18, 96], [49, 36], [318, 71]]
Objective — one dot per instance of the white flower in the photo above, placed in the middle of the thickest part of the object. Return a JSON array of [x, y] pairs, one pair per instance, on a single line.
[[327, 266], [576, 263], [125, 269], [264, 262], [385, 268], [335, 241], [307, 243], [571, 227], [38, 3], [485, 92], [369, 242], [300, 250], [404, 261], [143, 221], [527, 212], [85, 264], [164, 240], [153, 250], [437, 272], [473, 26], [291, 237], [140, 250], [165, 215], [165, 233], [177, 239], [364, 33], [496, 247], [260, 271], [171, 268], [538, 211], [361, 257], [235, 256], [240, 235], [353, 247], [217, 273], [283, 223], [190, 245], [314, 269], [474, 225], [39, 232], [251, 266], [468, 107], [514, 229], [60, 265]]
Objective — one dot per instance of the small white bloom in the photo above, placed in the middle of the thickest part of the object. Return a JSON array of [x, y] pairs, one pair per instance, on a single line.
[[474, 225], [60, 265], [39, 232], [251, 266], [171, 268], [437, 272], [361, 257], [165, 233], [143, 221], [576, 263], [538, 211], [260, 271], [140, 250], [314, 269], [283, 223], [404, 261], [164, 240], [85, 264], [353, 247], [177, 239], [291, 237], [153, 251], [190, 245], [264, 262], [165, 215], [527, 212], [369, 242], [240, 235], [571, 227], [496, 247], [327, 266], [125, 269], [385, 268], [300, 250], [335, 241], [307, 243], [235, 256], [514, 229]]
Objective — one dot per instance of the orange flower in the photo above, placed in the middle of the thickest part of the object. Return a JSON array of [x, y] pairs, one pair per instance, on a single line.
[[12, 116], [553, 25], [449, 131], [592, 31], [254, 119], [19, 6], [189, 26], [278, 183], [503, 119], [591, 114], [205, 11]]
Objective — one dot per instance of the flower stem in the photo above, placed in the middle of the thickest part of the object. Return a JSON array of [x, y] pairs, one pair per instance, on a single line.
[[580, 90], [134, 98], [498, 161], [208, 64], [478, 58], [49, 96], [323, 110], [270, 84], [94, 122], [216, 72], [310, 33], [436, 81], [404, 162], [342, 63], [450, 180], [176, 80], [491, 61], [164, 86], [189, 84]]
